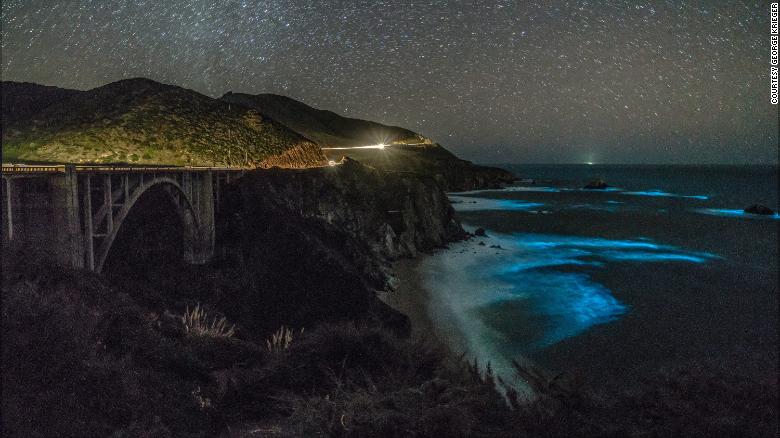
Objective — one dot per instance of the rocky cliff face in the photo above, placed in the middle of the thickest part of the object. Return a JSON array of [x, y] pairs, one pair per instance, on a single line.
[[335, 229], [463, 175]]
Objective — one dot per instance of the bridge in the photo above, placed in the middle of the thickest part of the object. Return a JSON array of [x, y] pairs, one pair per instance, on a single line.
[[74, 213]]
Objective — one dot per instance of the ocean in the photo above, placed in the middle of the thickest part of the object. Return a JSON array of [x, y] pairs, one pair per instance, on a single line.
[[661, 270]]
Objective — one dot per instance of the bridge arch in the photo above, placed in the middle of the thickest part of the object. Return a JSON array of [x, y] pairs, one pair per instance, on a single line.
[[184, 208]]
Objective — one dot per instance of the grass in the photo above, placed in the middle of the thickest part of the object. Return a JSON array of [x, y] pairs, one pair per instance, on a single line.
[[281, 340], [196, 323]]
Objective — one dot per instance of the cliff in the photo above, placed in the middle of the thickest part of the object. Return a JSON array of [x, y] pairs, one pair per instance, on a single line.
[[139, 121], [341, 226]]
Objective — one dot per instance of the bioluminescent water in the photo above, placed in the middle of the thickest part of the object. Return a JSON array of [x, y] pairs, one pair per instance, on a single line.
[[658, 272], [604, 190], [537, 290], [737, 213], [661, 193]]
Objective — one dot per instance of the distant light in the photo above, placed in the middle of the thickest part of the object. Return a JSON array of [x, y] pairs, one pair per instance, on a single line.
[[374, 146], [589, 163]]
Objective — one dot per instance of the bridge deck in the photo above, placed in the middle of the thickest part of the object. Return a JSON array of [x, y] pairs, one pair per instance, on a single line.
[[23, 169]]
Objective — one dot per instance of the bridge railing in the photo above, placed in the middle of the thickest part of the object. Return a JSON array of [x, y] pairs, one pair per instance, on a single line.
[[60, 168]]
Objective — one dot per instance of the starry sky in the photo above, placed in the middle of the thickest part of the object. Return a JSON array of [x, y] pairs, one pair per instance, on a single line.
[[494, 81]]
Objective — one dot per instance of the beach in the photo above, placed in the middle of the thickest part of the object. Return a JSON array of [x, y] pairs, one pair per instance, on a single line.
[[412, 295]]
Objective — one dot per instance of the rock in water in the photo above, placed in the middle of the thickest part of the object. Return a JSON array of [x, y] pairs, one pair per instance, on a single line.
[[480, 232], [597, 184], [759, 209]]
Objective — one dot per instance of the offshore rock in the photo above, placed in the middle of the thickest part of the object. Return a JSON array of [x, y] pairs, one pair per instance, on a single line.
[[598, 184], [759, 209]]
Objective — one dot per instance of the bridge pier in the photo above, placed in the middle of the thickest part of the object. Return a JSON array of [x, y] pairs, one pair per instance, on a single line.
[[201, 190], [73, 214], [8, 211], [65, 218], [86, 214]]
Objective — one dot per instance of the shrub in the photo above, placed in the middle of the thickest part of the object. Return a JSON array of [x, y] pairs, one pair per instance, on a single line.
[[76, 361]]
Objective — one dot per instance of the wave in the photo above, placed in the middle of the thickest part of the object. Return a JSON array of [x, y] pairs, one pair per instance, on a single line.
[[464, 203], [522, 292]]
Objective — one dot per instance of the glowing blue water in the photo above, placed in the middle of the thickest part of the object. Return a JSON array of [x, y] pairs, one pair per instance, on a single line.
[[661, 193], [541, 289], [573, 301], [735, 213], [547, 276], [605, 190]]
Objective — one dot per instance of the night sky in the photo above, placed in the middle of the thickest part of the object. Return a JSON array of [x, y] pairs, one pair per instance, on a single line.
[[494, 81]]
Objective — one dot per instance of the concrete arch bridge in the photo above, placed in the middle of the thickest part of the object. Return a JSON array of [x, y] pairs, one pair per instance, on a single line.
[[74, 213]]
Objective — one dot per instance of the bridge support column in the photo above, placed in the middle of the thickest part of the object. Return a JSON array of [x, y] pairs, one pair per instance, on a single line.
[[69, 240], [89, 239], [8, 231], [200, 249]]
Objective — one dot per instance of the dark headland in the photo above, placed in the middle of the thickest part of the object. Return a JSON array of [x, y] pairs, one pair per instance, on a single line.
[[282, 332]]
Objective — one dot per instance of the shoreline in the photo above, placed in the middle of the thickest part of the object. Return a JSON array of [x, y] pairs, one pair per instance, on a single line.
[[411, 296], [438, 317], [430, 315]]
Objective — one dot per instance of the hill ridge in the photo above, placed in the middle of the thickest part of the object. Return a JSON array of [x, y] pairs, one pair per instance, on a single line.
[[148, 122]]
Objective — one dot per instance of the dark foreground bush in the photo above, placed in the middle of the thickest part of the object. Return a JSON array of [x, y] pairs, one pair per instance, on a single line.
[[80, 359]]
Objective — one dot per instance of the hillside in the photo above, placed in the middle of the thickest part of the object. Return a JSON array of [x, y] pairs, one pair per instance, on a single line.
[[407, 151], [23, 99], [325, 127], [139, 121]]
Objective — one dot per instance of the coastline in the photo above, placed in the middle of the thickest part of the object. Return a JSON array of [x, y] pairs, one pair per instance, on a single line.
[[412, 297], [438, 317]]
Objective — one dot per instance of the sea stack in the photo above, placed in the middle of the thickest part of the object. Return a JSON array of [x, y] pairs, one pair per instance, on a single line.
[[597, 184]]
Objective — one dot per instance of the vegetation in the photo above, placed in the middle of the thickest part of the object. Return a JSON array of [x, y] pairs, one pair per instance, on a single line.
[[409, 152], [324, 127], [281, 340], [140, 121], [196, 323], [83, 359]]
